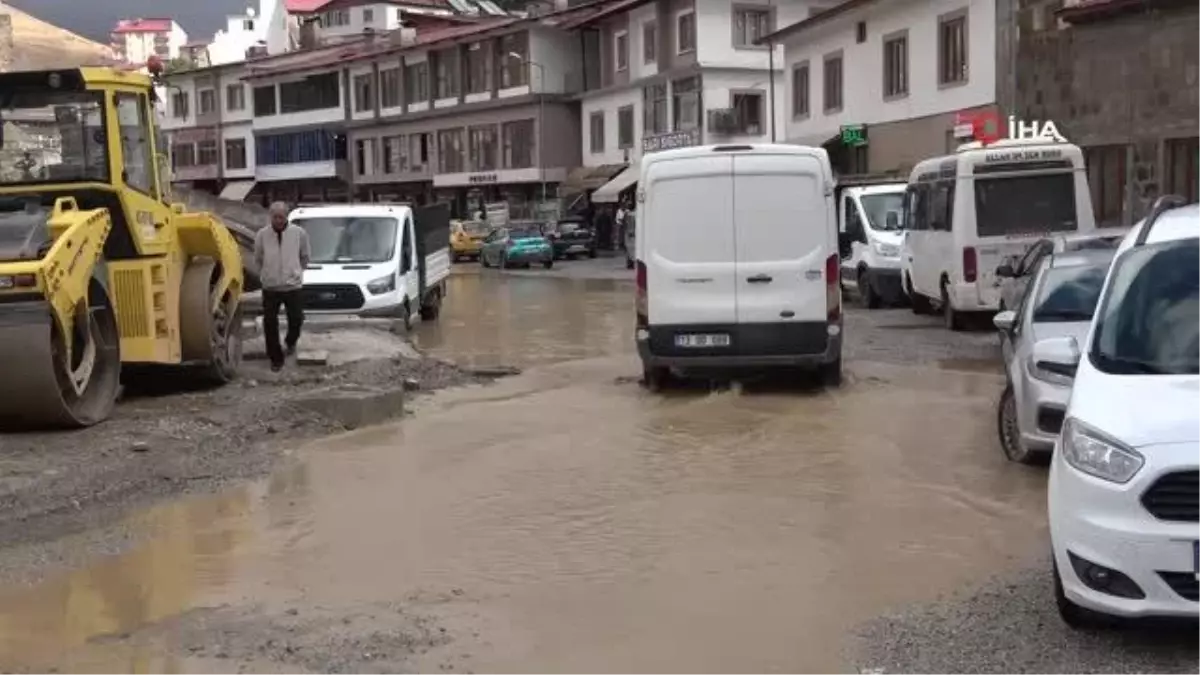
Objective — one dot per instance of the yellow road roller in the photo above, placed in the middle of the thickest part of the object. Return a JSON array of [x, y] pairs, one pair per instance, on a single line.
[[102, 278]]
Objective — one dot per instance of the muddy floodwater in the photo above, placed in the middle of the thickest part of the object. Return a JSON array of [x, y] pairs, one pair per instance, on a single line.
[[567, 520]]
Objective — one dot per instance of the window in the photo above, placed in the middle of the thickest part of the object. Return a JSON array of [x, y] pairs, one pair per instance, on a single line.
[[360, 157], [395, 154], [1107, 181], [479, 68], [649, 42], [207, 99], [625, 127], [416, 82], [654, 109], [518, 144], [1181, 158], [800, 90], [860, 32], [314, 145], [484, 147], [418, 156], [621, 50], [368, 15], [235, 97], [364, 93], [451, 155], [264, 101], [206, 153], [916, 207], [235, 153], [389, 88], [179, 105], [335, 18], [315, 92], [750, 24], [351, 239], [1069, 293], [748, 112], [833, 83], [247, 24], [952, 49], [895, 66], [515, 71], [183, 155], [685, 25], [686, 98], [596, 131], [137, 156], [940, 217], [445, 63], [1021, 205]]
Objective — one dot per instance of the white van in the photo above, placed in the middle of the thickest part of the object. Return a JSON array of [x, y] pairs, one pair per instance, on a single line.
[[870, 234], [737, 262], [967, 213]]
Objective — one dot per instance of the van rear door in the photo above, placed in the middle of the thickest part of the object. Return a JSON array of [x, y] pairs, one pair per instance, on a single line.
[[689, 249], [785, 229]]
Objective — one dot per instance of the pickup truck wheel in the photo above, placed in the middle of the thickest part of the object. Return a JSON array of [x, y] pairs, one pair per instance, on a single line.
[[433, 308]]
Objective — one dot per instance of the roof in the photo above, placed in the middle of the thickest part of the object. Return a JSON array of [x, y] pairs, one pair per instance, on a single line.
[[159, 25], [603, 10], [303, 6], [813, 20]]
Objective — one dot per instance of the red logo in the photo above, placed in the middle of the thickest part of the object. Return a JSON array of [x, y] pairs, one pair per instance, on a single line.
[[986, 126]]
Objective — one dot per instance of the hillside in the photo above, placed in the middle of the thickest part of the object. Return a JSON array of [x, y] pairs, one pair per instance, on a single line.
[[40, 45]]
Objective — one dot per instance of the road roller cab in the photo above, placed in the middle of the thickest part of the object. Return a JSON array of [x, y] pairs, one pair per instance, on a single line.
[[101, 278]]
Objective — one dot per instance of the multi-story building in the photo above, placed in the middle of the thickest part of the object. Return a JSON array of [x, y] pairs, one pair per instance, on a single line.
[[266, 29], [136, 40], [341, 19], [881, 83], [669, 73]]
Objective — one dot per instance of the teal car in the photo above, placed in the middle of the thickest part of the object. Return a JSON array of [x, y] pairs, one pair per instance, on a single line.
[[516, 246]]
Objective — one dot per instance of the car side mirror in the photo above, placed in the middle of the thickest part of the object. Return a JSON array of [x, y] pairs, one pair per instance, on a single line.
[[1057, 355], [892, 220], [1004, 321], [1006, 270]]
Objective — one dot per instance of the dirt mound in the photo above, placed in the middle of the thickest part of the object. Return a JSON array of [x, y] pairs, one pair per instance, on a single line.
[[42, 46]]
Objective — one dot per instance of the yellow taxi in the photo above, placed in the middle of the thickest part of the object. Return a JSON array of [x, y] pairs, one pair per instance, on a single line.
[[466, 239]]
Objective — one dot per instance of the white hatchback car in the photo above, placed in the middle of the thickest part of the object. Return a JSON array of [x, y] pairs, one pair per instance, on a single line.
[[1123, 487]]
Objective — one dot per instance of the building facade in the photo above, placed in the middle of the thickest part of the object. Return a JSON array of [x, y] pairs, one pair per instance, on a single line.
[[880, 83], [136, 40]]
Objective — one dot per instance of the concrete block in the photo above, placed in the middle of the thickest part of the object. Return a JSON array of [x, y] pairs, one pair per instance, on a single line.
[[315, 357], [356, 407]]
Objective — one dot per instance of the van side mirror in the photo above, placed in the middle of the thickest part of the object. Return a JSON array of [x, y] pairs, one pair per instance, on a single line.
[[1004, 321], [1057, 355], [1006, 271]]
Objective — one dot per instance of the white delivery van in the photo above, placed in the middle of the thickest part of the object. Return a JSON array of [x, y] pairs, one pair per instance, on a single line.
[[967, 213], [870, 234], [737, 262], [376, 260]]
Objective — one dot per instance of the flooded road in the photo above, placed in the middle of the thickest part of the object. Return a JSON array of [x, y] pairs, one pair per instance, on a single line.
[[564, 520]]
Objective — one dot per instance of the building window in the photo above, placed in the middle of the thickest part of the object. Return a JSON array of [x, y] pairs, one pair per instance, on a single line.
[[800, 90], [479, 68], [621, 50], [514, 54], [416, 82], [389, 88], [625, 127], [895, 66], [360, 157], [314, 145], [235, 153], [208, 101], [336, 18], [833, 83], [418, 156], [235, 97], [952, 49], [650, 42], [518, 144], [368, 15], [364, 93], [395, 154], [750, 24], [685, 30], [685, 95], [183, 155], [315, 92], [748, 112], [1107, 180], [179, 105], [596, 131], [484, 146], [451, 151], [264, 101], [654, 109], [206, 153], [445, 63], [1182, 155]]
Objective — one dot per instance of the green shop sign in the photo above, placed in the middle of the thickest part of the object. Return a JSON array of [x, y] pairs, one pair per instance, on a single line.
[[854, 135]]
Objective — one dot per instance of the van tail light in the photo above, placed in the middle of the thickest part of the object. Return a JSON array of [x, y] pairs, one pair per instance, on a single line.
[[970, 264], [643, 302], [833, 290]]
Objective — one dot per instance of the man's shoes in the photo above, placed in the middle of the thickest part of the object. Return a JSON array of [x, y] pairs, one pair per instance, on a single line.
[[276, 367], [291, 350]]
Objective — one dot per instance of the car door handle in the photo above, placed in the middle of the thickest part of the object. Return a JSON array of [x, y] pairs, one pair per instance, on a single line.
[[759, 279]]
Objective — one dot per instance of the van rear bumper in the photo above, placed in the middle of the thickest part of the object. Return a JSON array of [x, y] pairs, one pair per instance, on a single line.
[[806, 344]]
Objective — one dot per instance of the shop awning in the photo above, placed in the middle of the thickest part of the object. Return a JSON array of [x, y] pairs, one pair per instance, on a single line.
[[237, 190], [611, 191], [589, 177]]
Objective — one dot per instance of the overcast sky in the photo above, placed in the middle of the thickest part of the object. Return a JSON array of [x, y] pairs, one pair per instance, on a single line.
[[95, 18]]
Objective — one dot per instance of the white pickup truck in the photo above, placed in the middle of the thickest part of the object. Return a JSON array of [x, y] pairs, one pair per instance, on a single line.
[[376, 260], [870, 235]]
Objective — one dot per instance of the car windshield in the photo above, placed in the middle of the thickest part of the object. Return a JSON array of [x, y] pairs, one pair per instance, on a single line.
[[350, 240], [1018, 205], [1069, 293], [475, 227], [1150, 321], [52, 136], [524, 233], [878, 206]]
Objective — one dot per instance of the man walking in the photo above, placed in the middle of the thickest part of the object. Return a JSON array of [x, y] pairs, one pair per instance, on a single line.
[[281, 251]]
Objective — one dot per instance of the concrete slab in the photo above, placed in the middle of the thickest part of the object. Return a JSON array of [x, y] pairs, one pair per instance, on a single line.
[[356, 406], [312, 358], [341, 344]]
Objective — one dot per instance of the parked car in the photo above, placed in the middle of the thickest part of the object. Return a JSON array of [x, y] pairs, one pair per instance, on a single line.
[[571, 239], [1061, 301], [466, 238], [1014, 277], [516, 245], [1123, 491]]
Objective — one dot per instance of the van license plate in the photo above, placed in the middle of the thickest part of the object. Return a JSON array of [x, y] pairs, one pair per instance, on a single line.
[[718, 340]]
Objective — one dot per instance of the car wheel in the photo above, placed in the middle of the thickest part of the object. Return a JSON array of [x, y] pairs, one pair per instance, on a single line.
[[831, 373], [483, 260], [1009, 431], [953, 319], [503, 261], [656, 378], [592, 253], [1078, 618], [548, 264], [916, 301], [866, 292]]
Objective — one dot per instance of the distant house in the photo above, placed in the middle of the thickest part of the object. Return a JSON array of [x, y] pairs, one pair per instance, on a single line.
[[136, 40]]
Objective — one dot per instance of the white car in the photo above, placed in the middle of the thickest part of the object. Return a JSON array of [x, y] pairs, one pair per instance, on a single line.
[[1123, 487]]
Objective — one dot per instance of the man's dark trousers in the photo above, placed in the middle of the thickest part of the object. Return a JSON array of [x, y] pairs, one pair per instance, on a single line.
[[293, 304]]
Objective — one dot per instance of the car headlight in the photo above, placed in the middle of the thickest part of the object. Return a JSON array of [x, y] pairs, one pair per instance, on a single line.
[[382, 284], [1096, 454], [1046, 376], [886, 250]]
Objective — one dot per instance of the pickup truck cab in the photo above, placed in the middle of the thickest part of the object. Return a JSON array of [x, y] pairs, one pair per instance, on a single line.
[[870, 237]]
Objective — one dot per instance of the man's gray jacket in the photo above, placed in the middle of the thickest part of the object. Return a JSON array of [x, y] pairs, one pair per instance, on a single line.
[[281, 257]]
